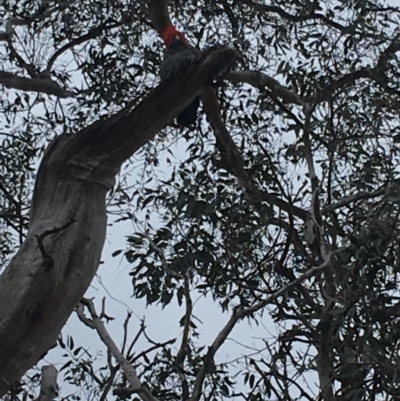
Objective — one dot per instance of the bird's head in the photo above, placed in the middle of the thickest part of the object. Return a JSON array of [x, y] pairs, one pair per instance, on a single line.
[[173, 38]]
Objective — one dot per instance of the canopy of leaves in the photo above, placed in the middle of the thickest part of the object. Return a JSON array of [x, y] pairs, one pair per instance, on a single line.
[[312, 182]]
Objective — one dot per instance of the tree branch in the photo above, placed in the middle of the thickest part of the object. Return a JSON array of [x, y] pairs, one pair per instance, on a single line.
[[74, 176], [90, 35], [127, 131], [299, 18], [225, 143], [182, 353], [40, 85], [261, 80], [353, 198], [375, 73], [239, 314], [129, 372], [6, 35]]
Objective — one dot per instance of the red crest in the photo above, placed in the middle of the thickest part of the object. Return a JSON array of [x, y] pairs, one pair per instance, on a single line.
[[170, 33]]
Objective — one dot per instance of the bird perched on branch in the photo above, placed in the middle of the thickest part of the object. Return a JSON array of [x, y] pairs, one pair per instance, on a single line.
[[178, 52]]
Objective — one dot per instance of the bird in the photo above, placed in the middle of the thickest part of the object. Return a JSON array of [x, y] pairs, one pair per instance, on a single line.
[[177, 52]]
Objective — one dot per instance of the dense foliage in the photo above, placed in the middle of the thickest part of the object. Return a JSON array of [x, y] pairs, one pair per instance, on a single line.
[[313, 185]]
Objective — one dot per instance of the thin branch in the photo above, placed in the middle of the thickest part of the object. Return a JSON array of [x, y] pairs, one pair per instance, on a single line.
[[300, 18], [109, 382], [130, 373], [353, 198], [188, 315], [153, 348], [239, 314], [232, 157], [308, 111], [234, 21], [376, 73], [40, 85], [274, 373], [345, 81], [44, 11], [9, 197], [136, 339], [90, 35], [260, 80], [163, 259], [126, 322], [393, 48]]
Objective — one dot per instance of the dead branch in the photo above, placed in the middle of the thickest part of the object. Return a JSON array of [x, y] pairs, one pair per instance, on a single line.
[[129, 372]]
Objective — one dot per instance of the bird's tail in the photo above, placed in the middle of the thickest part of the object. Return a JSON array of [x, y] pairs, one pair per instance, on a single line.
[[188, 116]]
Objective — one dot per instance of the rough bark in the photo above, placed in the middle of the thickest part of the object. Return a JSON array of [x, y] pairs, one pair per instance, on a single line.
[[54, 267]]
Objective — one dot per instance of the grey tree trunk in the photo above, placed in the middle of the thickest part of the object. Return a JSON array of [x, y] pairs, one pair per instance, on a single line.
[[52, 270]]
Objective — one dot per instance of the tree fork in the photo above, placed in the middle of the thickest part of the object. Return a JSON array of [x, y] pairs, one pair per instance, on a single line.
[[73, 179]]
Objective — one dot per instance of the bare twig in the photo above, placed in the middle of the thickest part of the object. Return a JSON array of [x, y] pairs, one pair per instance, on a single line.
[[153, 348], [130, 373], [136, 339], [90, 35], [126, 322]]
